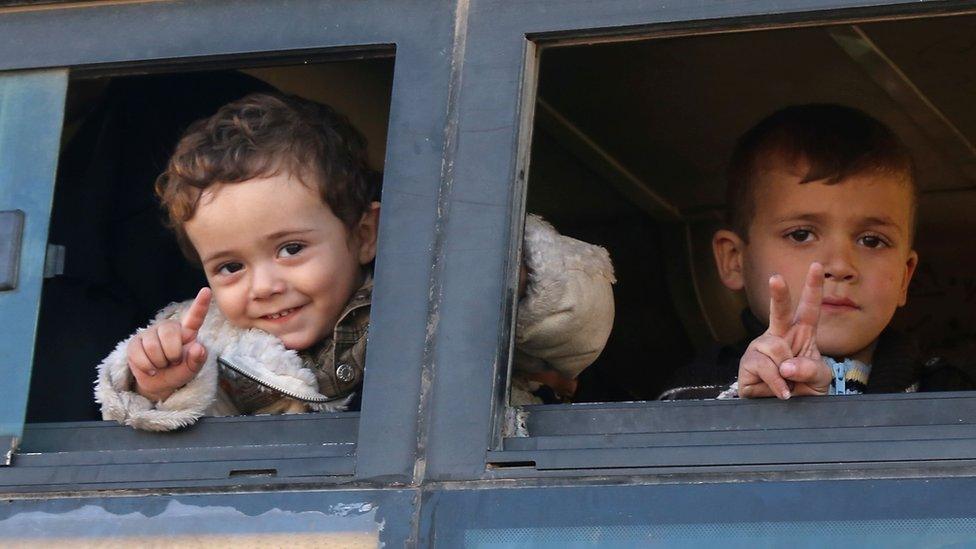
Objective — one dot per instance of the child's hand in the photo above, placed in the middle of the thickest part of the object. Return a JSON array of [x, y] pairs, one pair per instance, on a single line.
[[785, 360], [166, 355], [564, 387]]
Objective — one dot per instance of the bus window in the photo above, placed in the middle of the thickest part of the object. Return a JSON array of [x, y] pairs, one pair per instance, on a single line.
[[629, 149], [120, 262]]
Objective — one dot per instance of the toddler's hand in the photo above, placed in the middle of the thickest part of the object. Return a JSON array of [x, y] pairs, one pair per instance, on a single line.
[[166, 355], [785, 360]]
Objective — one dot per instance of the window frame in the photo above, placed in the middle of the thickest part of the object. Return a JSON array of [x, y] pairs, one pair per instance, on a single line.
[[381, 440], [28, 154], [478, 280]]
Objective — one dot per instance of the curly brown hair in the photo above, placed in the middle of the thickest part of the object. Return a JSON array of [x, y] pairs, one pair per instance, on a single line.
[[262, 135]]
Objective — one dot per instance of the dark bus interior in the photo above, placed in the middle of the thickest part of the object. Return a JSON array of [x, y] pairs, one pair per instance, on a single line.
[[629, 145]]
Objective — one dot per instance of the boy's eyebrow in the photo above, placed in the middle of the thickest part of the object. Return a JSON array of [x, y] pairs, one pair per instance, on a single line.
[[799, 216], [818, 218], [882, 220], [273, 236], [287, 232], [212, 257]]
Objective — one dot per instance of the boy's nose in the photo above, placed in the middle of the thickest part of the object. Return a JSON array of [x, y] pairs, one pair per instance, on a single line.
[[265, 282], [840, 266]]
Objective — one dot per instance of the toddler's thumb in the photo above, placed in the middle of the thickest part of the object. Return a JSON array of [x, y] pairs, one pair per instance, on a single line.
[[196, 355]]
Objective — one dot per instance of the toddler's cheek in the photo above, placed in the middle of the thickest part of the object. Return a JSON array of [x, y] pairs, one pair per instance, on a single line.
[[233, 310]]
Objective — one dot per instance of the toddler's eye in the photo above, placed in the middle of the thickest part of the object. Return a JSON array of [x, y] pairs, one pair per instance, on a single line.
[[871, 241], [289, 250], [229, 268], [800, 235]]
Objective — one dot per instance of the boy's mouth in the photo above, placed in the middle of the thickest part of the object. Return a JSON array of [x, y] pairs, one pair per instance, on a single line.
[[281, 315], [839, 304]]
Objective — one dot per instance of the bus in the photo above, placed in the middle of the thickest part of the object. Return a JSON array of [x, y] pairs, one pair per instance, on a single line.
[[614, 121]]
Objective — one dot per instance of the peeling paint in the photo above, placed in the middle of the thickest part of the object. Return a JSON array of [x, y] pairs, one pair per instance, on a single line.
[[346, 509], [182, 524], [437, 267], [516, 423]]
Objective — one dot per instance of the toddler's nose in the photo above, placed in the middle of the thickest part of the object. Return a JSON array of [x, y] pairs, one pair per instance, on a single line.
[[265, 282]]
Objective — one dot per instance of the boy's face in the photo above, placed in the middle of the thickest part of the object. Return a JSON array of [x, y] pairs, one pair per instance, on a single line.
[[278, 259], [858, 228]]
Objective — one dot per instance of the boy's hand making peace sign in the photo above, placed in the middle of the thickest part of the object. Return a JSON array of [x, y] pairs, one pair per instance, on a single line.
[[785, 360], [167, 355]]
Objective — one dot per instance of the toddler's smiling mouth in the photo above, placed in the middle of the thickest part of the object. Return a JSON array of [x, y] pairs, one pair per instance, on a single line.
[[281, 315]]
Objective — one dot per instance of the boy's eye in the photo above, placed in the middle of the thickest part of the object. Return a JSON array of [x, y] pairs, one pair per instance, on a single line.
[[229, 268], [289, 250], [871, 241], [800, 235]]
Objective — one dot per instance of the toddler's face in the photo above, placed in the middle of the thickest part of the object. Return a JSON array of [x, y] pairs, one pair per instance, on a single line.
[[278, 259], [858, 228]]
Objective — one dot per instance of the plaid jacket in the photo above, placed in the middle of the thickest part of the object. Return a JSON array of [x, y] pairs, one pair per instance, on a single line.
[[338, 362]]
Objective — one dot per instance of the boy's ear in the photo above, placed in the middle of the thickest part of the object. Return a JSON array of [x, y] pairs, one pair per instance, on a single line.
[[910, 265], [366, 233], [728, 248]]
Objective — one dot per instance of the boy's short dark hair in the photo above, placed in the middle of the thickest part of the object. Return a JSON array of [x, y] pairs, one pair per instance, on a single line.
[[836, 141], [261, 135]]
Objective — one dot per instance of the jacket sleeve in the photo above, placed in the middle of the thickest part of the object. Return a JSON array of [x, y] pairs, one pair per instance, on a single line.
[[202, 395], [113, 389], [567, 312]]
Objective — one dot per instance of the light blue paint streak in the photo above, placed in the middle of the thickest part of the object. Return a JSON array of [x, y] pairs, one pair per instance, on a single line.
[[31, 115], [190, 518]]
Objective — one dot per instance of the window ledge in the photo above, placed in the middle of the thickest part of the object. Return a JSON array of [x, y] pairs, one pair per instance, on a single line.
[[813, 430], [215, 451]]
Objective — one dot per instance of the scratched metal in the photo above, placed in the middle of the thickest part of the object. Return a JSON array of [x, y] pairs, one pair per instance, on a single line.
[[369, 518]]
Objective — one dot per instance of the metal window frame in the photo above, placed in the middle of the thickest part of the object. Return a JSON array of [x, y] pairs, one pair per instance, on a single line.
[[380, 442], [703, 513], [482, 233]]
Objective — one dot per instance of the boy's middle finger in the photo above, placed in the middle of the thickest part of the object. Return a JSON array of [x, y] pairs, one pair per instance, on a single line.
[[808, 309], [153, 349], [171, 341]]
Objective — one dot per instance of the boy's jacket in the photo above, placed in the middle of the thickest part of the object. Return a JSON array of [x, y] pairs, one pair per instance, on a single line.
[[897, 367], [564, 320]]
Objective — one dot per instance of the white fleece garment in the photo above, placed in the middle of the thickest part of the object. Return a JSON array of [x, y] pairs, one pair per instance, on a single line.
[[566, 315], [563, 323], [201, 397]]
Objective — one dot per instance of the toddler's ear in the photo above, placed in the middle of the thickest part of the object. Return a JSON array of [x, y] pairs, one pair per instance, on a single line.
[[366, 233], [728, 248]]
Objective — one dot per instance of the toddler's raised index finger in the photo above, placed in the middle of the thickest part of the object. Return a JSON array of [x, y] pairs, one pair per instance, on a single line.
[[780, 312], [194, 316], [808, 310]]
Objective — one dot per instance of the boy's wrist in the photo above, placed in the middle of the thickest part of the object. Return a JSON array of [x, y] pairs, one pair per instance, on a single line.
[[154, 396]]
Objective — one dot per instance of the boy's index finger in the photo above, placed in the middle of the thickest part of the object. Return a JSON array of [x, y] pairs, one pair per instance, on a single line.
[[193, 318], [808, 310], [780, 311]]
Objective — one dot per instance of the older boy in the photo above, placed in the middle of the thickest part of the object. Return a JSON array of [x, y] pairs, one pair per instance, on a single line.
[[822, 203], [271, 197]]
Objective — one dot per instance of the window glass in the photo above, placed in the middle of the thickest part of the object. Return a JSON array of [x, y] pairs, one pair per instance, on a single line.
[[31, 110]]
